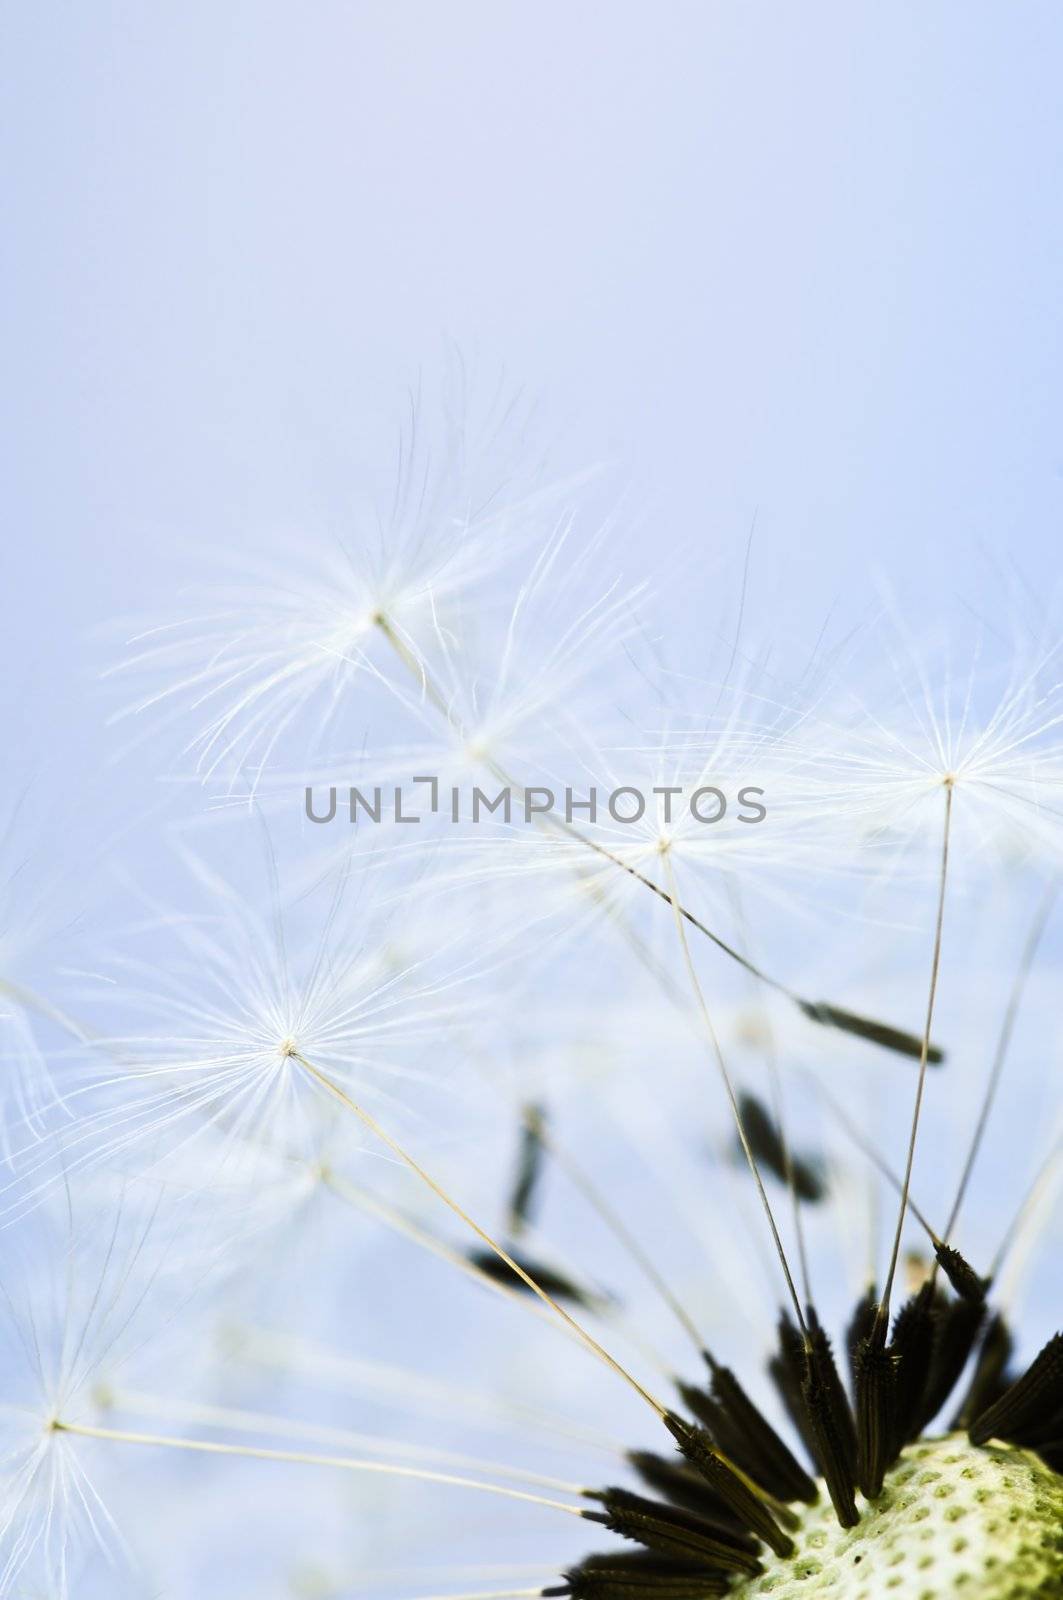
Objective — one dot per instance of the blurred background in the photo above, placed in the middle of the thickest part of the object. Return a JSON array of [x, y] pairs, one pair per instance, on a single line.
[[787, 276], [793, 264]]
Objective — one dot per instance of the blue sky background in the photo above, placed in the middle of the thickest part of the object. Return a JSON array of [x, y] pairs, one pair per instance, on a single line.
[[801, 262]]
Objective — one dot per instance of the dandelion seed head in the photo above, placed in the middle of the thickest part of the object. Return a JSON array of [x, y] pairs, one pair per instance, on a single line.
[[243, 1014], [987, 732], [295, 642], [92, 1288], [938, 1529]]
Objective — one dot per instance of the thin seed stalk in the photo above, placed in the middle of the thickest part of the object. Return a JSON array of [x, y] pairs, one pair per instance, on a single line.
[[935, 968]]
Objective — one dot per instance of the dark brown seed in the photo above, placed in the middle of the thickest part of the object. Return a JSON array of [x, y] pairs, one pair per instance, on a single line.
[[895, 1039], [865, 1314], [640, 1576], [964, 1279], [787, 1370], [749, 1507], [803, 1175], [876, 1409], [831, 1423], [672, 1479], [989, 1380], [746, 1436], [912, 1347], [671, 1531], [957, 1324], [529, 1169], [554, 1283], [1032, 1400]]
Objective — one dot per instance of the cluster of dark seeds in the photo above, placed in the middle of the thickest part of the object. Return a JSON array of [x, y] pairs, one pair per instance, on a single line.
[[723, 1498], [712, 1508]]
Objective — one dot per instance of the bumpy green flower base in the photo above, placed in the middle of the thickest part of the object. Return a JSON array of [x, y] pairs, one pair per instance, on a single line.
[[984, 1524]]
